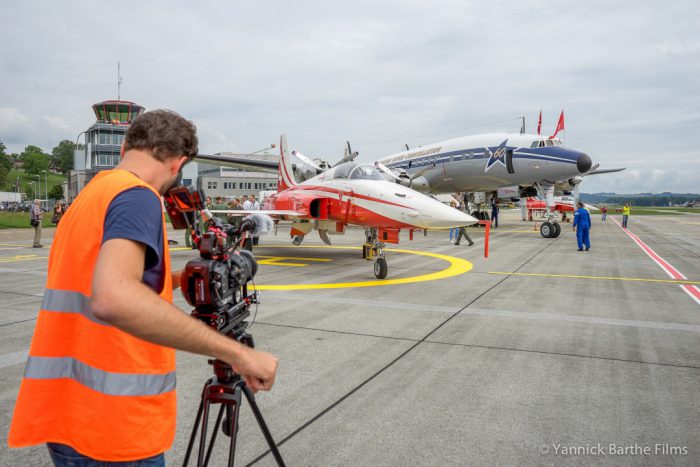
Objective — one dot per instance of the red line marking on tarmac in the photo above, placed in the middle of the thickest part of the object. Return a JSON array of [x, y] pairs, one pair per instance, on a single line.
[[674, 273]]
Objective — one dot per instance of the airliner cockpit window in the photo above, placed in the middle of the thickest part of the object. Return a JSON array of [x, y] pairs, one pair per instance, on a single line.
[[365, 172]]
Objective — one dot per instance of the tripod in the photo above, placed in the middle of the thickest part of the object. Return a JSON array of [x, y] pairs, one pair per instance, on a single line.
[[225, 388]]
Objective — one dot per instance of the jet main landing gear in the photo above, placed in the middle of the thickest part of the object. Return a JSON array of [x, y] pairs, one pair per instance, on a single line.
[[372, 250], [550, 229]]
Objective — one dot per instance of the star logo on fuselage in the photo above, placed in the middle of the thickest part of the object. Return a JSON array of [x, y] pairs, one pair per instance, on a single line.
[[496, 155]]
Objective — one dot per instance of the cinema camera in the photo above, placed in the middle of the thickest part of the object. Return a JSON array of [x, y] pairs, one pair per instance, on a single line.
[[216, 285]]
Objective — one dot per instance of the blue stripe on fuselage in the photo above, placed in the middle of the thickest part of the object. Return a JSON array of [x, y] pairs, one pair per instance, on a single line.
[[550, 153]]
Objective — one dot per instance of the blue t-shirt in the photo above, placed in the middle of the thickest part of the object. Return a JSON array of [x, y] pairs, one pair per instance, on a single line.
[[136, 214]]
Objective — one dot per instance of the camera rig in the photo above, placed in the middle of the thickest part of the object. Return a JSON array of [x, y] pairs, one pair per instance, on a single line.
[[216, 285]]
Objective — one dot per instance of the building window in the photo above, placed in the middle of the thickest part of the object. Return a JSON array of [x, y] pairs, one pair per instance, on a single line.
[[186, 181], [211, 185], [107, 159]]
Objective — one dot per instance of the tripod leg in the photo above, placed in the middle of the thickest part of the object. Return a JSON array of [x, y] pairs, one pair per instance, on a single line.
[[213, 435], [263, 426], [203, 435], [193, 436], [232, 412]]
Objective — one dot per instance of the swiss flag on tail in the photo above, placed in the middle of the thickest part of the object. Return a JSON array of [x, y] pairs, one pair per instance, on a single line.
[[539, 124], [560, 125]]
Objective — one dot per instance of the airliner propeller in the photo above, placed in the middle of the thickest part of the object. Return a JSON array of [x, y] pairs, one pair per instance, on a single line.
[[403, 177], [349, 156], [308, 161]]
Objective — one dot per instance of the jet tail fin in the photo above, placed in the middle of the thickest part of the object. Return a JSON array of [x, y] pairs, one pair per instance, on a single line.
[[285, 176]]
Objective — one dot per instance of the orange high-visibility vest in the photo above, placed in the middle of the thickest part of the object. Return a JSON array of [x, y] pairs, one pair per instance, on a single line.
[[106, 393]]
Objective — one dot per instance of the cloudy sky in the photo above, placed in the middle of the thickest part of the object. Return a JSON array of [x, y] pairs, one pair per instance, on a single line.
[[379, 73]]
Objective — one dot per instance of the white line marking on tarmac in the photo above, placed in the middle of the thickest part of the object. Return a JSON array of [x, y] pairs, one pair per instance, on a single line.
[[692, 290]]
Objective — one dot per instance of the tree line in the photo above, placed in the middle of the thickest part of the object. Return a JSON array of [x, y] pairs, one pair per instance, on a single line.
[[660, 200], [34, 160]]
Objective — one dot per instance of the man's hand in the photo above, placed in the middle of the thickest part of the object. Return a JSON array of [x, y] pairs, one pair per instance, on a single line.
[[258, 369], [176, 276]]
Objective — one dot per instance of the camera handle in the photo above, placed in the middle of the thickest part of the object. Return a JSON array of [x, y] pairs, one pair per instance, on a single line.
[[225, 388]]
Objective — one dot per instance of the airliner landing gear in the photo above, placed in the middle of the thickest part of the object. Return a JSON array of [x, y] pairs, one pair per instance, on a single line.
[[550, 229], [372, 250]]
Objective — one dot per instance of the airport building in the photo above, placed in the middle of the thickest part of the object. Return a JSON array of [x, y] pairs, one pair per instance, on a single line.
[[229, 182], [103, 142]]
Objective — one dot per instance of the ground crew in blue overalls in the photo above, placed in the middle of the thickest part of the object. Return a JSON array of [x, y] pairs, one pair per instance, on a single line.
[[582, 220]]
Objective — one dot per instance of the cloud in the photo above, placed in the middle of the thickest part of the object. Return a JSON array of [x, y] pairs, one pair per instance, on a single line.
[[380, 74]]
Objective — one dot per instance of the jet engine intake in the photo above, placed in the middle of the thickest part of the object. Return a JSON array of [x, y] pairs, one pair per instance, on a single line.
[[318, 209]]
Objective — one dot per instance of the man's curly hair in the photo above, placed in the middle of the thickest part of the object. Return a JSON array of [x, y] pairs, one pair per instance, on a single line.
[[164, 133]]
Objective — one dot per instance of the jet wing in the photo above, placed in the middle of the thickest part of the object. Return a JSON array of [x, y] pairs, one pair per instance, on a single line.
[[238, 162], [269, 212]]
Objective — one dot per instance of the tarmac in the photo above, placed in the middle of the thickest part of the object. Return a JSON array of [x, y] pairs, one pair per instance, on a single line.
[[537, 355]]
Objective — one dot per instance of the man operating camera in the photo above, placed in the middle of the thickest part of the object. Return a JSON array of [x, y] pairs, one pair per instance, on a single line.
[[100, 379]]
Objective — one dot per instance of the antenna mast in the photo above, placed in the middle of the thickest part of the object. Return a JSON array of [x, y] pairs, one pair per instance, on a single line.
[[119, 81]]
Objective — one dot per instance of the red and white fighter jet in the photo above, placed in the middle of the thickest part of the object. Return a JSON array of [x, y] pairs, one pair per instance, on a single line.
[[354, 194]]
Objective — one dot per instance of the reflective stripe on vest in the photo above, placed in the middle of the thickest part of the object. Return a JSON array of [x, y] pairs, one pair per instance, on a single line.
[[66, 301], [112, 384]]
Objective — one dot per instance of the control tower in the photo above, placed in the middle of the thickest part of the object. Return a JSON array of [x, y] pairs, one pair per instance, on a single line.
[[103, 141], [104, 138]]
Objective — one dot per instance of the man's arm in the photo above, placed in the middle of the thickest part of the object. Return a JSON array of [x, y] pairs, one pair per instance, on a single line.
[[122, 300]]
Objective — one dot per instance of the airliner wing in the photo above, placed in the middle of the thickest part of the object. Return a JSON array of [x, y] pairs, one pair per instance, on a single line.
[[238, 162], [604, 171]]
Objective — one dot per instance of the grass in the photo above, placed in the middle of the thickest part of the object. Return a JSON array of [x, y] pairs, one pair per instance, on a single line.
[[20, 220], [651, 211], [25, 178]]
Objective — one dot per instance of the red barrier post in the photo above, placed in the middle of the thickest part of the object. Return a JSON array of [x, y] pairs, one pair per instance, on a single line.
[[486, 224]]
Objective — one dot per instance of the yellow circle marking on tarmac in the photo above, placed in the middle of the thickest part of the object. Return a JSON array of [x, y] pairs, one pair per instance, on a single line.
[[457, 266]]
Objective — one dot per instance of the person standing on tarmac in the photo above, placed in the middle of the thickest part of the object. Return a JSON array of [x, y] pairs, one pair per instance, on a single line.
[[604, 213], [626, 211], [36, 218], [582, 226], [494, 212], [99, 383]]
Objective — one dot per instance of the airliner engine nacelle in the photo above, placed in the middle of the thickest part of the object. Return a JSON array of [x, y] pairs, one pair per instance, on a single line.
[[420, 184]]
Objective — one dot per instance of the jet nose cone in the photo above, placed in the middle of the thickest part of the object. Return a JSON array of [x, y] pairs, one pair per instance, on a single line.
[[441, 216], [584, 163]]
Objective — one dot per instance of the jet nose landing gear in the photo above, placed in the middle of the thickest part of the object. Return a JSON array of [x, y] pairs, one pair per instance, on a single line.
[[372, 250]]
